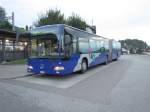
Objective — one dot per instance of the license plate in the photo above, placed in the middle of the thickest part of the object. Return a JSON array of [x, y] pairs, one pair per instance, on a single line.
[[42, 72]]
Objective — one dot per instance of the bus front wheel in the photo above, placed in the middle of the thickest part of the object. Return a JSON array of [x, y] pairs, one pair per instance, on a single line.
[[83, 66]]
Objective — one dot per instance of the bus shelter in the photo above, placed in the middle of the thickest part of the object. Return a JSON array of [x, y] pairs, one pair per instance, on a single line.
[[12, 48]]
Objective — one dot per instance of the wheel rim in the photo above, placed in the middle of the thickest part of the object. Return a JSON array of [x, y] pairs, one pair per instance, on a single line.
[[106, 60], [84, 66]]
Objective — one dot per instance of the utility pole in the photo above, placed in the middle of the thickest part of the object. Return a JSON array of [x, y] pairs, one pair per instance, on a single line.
[[13, 21]]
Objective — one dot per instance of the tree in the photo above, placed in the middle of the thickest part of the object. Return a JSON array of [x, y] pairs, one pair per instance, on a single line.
[[2, 13], [51, 17], [134, 45], [57, 17], [4, 24], [76, 21]]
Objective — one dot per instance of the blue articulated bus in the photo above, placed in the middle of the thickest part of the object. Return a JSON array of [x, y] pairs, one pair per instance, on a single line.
[[61, 49]]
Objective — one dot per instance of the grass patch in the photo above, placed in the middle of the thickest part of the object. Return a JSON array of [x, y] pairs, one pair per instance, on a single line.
[[21, 61]]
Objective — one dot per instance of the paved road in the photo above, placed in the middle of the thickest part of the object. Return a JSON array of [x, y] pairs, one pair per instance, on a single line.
[[121, 86], [12, 71]]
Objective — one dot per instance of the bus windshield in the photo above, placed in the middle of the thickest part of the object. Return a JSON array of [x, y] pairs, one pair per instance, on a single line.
[[45, 46]]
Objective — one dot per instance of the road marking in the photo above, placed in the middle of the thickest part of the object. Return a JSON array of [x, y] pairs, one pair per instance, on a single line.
[[16, 77]]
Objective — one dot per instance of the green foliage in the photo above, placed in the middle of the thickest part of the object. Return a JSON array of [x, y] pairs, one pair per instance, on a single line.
[[4, 24], [51, 17], [56, 17], [134, 45], [19, 29], [76, 21], [20, 61], [2, 13]]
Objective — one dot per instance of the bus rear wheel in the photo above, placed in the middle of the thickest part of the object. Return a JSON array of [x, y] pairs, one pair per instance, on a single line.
[[116, 57], [83, 66], [106, 61]]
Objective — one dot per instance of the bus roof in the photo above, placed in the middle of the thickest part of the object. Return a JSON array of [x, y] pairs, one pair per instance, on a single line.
[[80, 32], [60, 27]]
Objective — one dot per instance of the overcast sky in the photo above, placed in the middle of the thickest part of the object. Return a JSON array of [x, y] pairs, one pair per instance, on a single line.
[[117, 19]]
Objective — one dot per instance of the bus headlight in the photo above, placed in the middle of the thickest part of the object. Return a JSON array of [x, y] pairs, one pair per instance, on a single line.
[[58, 68], [30, 67]]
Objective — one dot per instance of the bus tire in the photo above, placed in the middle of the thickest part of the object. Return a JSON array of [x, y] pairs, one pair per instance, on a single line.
[[116, 57], [106, 62], [83, 66]]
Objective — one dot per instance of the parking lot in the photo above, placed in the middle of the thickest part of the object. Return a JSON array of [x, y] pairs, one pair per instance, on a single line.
[[121, 86], [18, 72], [12, 71]]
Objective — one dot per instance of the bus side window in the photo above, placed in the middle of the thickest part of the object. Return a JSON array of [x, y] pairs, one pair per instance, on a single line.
[[74, 45], [102, 46], [68, 45], [83, 45], [98, 45], [93, 45]]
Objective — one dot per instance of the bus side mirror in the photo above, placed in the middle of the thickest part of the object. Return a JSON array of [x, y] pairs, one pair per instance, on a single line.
[[67, 39]]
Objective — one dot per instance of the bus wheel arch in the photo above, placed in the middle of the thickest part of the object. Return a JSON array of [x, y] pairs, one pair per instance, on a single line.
[[84, 65]]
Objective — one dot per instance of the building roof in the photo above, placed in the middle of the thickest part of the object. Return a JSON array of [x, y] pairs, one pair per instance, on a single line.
[[4, 32], [11, 35]]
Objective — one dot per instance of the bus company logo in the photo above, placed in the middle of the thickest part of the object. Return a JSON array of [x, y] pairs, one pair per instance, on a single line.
[[42, 66]]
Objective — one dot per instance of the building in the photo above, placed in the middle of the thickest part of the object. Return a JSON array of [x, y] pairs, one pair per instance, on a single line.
[[10, 47]]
